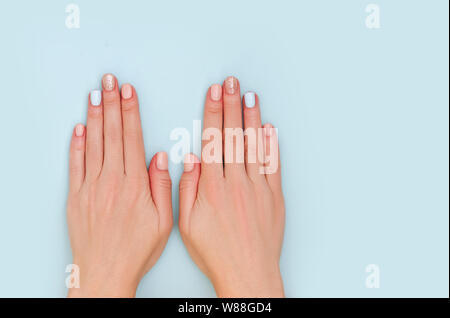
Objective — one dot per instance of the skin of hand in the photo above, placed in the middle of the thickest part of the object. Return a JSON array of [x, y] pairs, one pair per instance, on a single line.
[[119, 214], [232, 215]]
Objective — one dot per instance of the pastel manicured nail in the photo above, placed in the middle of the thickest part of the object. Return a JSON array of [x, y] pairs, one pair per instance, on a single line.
[[230, 85], [108, 82], [79, 130], [162, 162], [216, 92], [189, 161], [268, 130], [127, 91], [96, 97], [249, 99]]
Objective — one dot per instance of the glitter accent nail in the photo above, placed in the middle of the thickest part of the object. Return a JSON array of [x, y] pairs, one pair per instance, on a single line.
[[230, 85], [108, 82]]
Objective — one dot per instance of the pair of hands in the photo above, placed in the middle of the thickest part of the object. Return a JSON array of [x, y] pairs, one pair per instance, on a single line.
[[119, 213]]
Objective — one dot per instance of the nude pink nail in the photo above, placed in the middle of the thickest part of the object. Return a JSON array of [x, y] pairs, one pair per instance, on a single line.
[[79, 130], [189, 161], [216, 92], [268, 130], [127, 91], [162, 162]]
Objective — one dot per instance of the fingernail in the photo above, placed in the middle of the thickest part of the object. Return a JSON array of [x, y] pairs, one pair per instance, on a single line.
[[96, 97], [127, 91], [79, 130], [230, 85], [249, 99], [268, 130], [189, 161], [108, 82], [216, 92], [161, 161]]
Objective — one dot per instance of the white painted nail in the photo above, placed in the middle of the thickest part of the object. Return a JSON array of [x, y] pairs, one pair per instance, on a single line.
[[249, 99], [96, 97]]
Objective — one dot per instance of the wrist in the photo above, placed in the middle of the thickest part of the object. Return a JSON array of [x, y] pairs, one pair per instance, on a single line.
[[100, 284], [102, 291], [251, 285]]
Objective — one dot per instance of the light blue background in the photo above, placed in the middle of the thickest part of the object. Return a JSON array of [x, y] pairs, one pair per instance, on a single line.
[[362, 117]]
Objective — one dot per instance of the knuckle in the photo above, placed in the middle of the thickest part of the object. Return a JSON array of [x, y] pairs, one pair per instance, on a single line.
[[233, 103], [111, 100], [94, 112], [213, 108], [165, 182], [137, 182], [111, 181], [132, 132], [251, 114], [186, 183], [115, 134], [76, 169], [129, 106]]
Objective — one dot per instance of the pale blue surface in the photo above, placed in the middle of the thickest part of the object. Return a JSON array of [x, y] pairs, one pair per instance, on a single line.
[[362, 117]]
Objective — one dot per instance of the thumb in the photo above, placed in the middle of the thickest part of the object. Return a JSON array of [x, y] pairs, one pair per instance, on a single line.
[[188, 188], [161, 188]]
